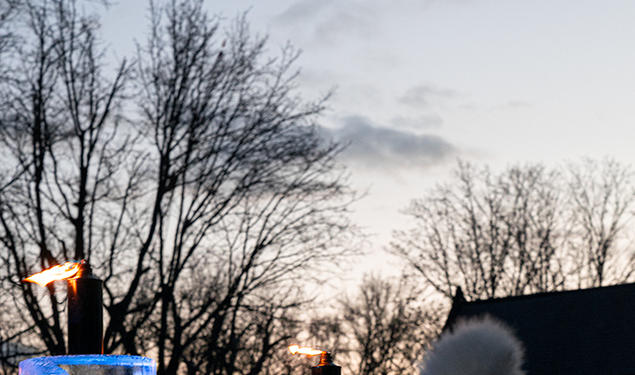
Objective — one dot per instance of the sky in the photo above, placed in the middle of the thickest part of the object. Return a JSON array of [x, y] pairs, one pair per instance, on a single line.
[[419, 84]]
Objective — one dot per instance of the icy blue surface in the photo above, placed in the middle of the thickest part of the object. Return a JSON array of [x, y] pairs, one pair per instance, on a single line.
[[89, 365]]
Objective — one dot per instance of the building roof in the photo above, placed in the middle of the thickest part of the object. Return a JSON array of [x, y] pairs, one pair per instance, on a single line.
[[588, 331]]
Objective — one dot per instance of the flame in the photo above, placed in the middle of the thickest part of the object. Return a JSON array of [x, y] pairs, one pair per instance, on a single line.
[[59, 272], [304, 350]]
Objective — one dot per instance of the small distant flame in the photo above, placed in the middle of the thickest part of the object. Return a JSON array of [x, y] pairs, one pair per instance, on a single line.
[[295, 349], [59, 272]]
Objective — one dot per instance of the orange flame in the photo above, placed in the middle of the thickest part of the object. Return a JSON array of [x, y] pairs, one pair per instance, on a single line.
[[304, 350], [59, 272]]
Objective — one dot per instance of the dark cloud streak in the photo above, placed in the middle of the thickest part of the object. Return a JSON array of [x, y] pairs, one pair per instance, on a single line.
[[371, 146], [422, 122]]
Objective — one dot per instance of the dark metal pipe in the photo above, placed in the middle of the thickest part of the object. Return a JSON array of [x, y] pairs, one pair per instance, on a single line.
[[326, 366], [85, 315]]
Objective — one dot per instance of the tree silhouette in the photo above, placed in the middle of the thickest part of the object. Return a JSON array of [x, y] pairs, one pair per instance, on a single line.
[[389, 324], [193, 180], [526, 229], [383, 328]]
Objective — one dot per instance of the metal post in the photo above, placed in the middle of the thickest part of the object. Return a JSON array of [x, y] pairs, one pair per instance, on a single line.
[[85, 316], [326, 366]]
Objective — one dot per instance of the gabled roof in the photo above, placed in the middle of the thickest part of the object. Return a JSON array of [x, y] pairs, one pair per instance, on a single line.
[[582, 332]]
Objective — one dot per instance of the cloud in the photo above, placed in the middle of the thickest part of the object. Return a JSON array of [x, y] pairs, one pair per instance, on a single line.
[[423, 95], [373, 146], [345, 22], [327, 21], [302, 11], [425, 121]]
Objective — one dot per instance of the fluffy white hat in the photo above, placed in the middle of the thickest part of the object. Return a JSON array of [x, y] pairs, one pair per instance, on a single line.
[[475, 347]]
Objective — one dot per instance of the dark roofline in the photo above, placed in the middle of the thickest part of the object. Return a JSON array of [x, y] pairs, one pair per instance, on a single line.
[[459, 300], [552, 293]]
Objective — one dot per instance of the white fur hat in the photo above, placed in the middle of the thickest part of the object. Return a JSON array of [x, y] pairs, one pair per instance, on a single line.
[[475, 347]]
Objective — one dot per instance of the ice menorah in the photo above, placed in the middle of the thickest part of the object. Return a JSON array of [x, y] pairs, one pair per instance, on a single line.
[[85, 328]]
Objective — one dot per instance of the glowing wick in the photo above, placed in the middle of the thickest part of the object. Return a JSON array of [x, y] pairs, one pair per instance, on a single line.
[[59, 272]]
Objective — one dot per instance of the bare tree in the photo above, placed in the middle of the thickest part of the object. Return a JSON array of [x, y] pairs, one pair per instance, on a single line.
[[514, 233], [194, 182], [602, 199], [8, 40], [60, 130], [389, 324], [8, 10]]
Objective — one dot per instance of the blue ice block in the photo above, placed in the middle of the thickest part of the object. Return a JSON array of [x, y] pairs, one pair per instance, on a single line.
[[89, 365]]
